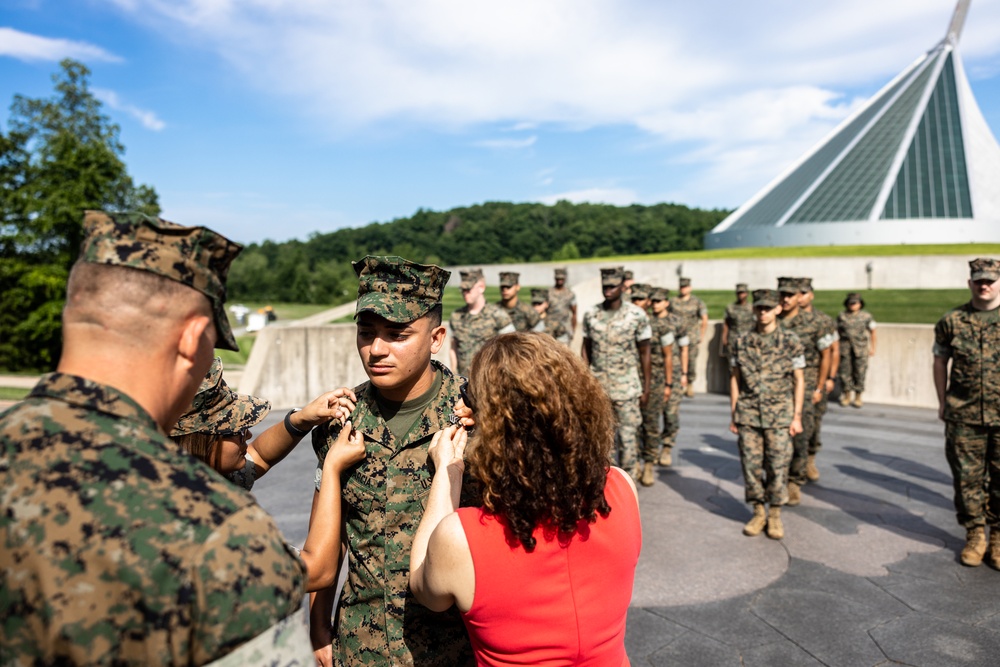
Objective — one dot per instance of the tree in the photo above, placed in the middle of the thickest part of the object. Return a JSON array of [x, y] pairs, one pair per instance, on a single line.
[[60, 156]]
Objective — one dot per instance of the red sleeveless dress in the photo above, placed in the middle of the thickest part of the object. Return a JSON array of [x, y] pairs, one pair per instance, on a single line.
[[561, 604]]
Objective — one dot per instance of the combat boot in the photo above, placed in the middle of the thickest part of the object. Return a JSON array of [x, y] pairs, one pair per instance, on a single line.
[[794, 494], [636, 472], [975, 547], [690, 391], [857, 402], [812, 472], [845, 398], [665, 457], [775, 530], [647, 474], [994, 552], [756, 524]]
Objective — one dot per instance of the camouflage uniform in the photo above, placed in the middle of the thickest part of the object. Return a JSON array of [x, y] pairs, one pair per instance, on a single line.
[[765, 409], [470, 330], [672, 413], [829, 328], [523, 317], [815, 337], [691, 312], [971, 340], [118, 546], [664, 333], [854, 330], [561, 304], [552, 326], [614, 360], [739, 318], [378, 621]]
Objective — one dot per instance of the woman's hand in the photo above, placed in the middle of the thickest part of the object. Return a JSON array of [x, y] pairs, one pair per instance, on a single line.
[[334, 405], [347, 449], [447, 449]]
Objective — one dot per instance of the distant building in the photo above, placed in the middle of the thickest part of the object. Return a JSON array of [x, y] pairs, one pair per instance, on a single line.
[[916, 164]]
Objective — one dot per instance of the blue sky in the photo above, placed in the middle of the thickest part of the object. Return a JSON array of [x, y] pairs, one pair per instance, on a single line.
[[280, 118]]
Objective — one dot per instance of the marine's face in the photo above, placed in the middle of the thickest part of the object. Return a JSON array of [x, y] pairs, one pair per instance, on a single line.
[[229, 452], [612, 292], [641, 303], [509, 292], [765, 314], [540, 308], [472, 294], [854, 306], [659, 306], [395, 355], [806, 298], [985, 293], [741, 297], [789, 301], [560, 281], [684, 291]]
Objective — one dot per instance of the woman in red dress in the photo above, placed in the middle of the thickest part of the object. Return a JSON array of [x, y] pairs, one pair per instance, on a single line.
[[542, 572]]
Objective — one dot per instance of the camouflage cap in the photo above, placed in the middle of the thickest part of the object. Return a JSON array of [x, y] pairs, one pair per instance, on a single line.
[[766, 297], [805, 284], [640, 291], [470, 278], [193, 256], [741, 287], [984, 268], [854, 297], [219, 410], [397, 289], [659, 294], [627, 275], [684, 282], [539, 295], [561, 272], [509, 278], [612, 277], [788, 285]]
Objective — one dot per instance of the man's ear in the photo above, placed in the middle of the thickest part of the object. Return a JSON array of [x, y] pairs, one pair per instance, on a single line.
[[438, 335], [194, 335]]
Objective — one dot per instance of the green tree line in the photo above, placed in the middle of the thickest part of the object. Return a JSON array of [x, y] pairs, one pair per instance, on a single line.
[[318, 270]]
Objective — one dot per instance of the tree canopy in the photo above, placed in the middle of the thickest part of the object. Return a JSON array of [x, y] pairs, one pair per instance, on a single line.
[[59, 156]]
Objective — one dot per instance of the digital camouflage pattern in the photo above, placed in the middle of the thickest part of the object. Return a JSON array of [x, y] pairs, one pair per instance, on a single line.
[[613, 276], [219, 410], [193, 256], [672, 408], [470, 277], [973, 451], [691, 311], [663, 335], [767, 364], [397, 289], [119, 547], [523, 317], [561, 304], [556, 329], [815, 337], [854, 330], [765, 456], [614, 361], [971, 340], [378, 621], [641, 291], [285, 644], [830, 329], [471, 331], [740, 320], [984, 268], [509, 278]]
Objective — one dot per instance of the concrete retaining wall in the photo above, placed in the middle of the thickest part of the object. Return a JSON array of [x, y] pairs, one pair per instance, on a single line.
[[292, 365]]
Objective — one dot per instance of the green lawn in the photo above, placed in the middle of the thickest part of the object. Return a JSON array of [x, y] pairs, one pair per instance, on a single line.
[[12, 393]]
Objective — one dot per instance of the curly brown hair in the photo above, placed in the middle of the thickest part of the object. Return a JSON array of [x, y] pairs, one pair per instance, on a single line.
[[544, 433]]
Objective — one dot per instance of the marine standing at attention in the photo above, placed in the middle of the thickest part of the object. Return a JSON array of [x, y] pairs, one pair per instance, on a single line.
[[969, 404], [855, 326], [806, 296], [562, 302], [118, 546], [738, 320], [695, 315], [616, 346], [765, 396], [521, 314], [407, 399], [661, 354], [553, 327], [474, 323]]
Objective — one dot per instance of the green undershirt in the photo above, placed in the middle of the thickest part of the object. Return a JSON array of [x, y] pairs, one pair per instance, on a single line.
[[400, 417]]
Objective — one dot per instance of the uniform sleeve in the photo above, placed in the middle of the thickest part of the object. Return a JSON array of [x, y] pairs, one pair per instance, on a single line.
[[586, 325], [246, 580], [734, 354], [943, 333], [797, 351], [667, 339], [702, 309], [323, 436], [872, 324], [643, 331], [503, 322]]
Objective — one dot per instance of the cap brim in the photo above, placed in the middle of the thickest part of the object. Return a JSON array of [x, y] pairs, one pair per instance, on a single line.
[[985, 275], [224, 338], [240, 411]]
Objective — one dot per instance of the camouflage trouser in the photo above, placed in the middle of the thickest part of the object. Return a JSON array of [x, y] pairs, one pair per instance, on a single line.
[[973, 453], [765, 454], [853, 366], [672, 412], [815, 443], [652, 432], [693, 357], [629, 419], [800, 443]]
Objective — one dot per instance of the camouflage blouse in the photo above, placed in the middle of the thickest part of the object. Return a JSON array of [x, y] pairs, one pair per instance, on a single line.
[[614, 357], [121, 548], [767, 364], [469, 331], [379, 622], [524, 317], [691, 312], [971, 339], [561, 304], [855, 328]]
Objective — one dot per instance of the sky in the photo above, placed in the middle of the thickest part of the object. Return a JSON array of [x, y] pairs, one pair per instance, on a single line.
[[278, 119]]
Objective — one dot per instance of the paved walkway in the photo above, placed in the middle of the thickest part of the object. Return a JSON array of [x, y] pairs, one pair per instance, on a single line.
[[867, 575]]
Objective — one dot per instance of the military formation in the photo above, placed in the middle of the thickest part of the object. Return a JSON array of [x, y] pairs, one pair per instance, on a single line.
[[122, 547]]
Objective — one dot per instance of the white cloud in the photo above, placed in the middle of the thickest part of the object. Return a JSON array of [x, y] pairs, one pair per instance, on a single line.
[[25, 46], [148, 119], [616, 196], [506, 144]]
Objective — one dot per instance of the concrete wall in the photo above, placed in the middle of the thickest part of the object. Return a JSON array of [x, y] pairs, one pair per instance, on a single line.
[[292, 365]]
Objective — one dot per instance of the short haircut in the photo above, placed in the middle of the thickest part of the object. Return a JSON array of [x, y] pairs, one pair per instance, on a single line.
[[544, 433]]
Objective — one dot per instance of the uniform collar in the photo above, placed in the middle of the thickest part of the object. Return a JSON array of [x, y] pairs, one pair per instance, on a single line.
[[81, 392]]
